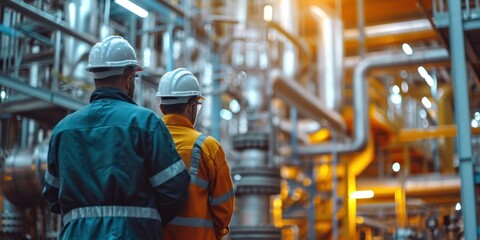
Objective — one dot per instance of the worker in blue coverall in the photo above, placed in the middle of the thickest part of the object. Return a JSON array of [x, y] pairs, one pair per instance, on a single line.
[[113, 170]]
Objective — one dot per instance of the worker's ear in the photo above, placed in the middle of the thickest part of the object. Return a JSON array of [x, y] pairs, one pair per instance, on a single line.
[[130, 85]]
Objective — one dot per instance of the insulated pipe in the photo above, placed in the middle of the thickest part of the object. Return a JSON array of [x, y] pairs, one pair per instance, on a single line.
[[329, 58], [294, 94], [423, 185], [48, 19], [360, 98]]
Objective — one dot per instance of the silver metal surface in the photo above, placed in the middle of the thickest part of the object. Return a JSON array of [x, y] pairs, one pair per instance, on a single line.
[[45, 95], [81, 16], [361, 101], [48, 19], [22, 175]]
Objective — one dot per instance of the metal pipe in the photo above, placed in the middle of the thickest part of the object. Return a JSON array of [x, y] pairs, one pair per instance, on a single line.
[[48, 19], [294, 39], [329, 58], [47, 96], [360, 98], [198, 28], [296, 95], [423, 185], [464, 138], [361, 30]]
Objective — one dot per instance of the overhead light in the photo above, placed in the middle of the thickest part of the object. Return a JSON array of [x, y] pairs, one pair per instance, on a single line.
[[405, 86], [396, 167], [458, 206], [396, 98], [235, 106], [268, 13], [132, 7], [395, 89], [477, 116], [362, 194], [3, 94], [407, 49], [474, 123], [225, 114], [423, 72], [426, 102]]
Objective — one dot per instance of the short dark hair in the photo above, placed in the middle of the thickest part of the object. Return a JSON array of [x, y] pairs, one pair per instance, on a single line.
[[177, 108]]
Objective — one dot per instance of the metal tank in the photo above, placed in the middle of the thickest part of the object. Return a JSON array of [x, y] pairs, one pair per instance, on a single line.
[[22, 175]]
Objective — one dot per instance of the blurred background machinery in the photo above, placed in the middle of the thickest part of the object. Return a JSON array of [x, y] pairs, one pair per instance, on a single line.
[[341, 119]]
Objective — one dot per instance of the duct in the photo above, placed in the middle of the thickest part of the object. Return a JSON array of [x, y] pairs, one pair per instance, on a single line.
[[329, 58], [294, 94], [45, 95], [80, 16], [360, 98], [49, 20]]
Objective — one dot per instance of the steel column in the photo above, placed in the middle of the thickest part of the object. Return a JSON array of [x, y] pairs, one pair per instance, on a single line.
[[464, 139]]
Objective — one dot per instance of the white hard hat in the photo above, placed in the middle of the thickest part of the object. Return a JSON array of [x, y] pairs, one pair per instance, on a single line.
[[111, 56], [177, 86]]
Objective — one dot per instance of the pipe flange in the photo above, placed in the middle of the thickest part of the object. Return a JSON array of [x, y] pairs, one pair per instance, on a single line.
[[257, 140], [261, 180], [255, 232]]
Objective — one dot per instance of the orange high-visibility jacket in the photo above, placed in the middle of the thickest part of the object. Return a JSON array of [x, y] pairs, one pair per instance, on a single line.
[[210, 203]]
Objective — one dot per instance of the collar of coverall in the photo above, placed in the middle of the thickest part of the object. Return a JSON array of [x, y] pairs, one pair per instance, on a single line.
[[177, 120], [107, 92]]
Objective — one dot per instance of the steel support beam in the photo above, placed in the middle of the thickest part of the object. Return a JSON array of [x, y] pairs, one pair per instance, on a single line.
[[42, 94], [49, 20], [462, 117]]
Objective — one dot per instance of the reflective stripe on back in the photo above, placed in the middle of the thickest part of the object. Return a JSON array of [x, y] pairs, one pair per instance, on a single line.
[[191, 222], [221, 199], [196, 153], [111, 211], [167, 173], [51, 180], [199, 182]]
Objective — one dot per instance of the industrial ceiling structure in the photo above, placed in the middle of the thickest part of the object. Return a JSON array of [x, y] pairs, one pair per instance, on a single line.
[[342, 119]]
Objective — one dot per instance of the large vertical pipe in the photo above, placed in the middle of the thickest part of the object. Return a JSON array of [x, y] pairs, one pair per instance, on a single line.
[[168, 47], [361, 28], [464, 140], [81, 17], [329, 57]]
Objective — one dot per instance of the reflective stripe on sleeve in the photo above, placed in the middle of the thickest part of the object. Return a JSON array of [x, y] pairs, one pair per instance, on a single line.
[[111, 211], [219, 200], [52, 180], [167, 173], [191, 222], [196, 153], [199, 182]]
